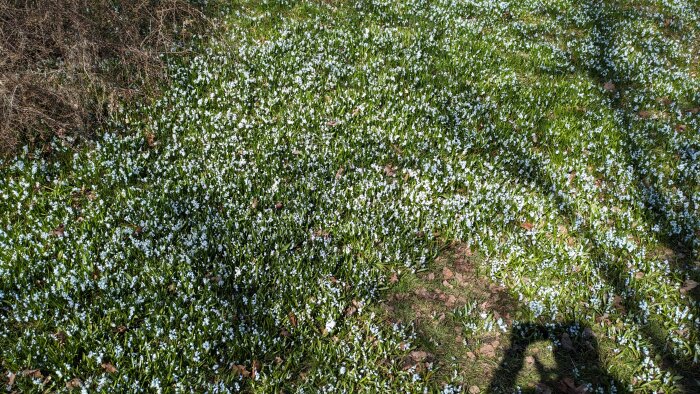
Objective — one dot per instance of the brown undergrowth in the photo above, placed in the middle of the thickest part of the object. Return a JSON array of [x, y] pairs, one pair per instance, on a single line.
[[66, 64]]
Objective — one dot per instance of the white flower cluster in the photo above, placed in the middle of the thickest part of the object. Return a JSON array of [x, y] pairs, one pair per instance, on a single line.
[[223, 237]]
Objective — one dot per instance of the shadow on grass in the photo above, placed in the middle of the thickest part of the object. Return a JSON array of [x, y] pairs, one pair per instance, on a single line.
[[678, 238], [575, 353]]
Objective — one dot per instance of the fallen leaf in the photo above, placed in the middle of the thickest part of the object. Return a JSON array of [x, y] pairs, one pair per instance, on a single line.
[[34, 373], [278, 205], [474, 390], [447, 274], [58, 231], [617, 303], [389, 170], [542, 388], [418, 355], [487, 350], [11, 379], [150, 140], [609, 86], [240, 370], [568, 386], [566, 342], [73, 384], [254, 203], [639, 275], [527, 226], [349, 311], [60, 337], [688, 285], [644, 114], [394, 278], [108, 367], [292, 319], [120, 329], [255, 368], [340, 173]]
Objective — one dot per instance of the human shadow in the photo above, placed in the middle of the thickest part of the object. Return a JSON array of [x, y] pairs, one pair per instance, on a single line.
[[576, 355]]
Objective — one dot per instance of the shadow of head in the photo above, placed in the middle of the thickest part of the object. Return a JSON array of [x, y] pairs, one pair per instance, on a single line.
[[575, 368]]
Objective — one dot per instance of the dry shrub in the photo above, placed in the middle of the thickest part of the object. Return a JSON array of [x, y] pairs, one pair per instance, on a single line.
[[65, 64]]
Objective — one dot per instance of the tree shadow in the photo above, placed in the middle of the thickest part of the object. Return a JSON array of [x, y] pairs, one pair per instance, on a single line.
[[575, 350], [681, 242]]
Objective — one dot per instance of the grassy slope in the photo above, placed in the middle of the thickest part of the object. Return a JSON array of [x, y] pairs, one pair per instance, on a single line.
[[251, 218]]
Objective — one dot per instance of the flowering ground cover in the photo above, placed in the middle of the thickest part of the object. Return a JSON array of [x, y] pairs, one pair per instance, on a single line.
[[328, 177]]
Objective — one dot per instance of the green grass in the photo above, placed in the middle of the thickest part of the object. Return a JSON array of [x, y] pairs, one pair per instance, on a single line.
[[241, 232]]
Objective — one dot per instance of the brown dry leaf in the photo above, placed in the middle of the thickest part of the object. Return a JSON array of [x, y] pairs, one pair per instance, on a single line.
[[292, 319], [285, 333], [530, 360], [609, 86], [394, 278], [108, 367], [431, 276], [340, 173], [566, 342], [542, 388], [120, 329], [60, 337], [73, 384], [255, 368], [33, 373], [349, 311], [681, 128], [254, 203], [11, 379], [390, 170], [568, 386], [332, 123], [639, 275], [447, 274], [418, 355], [240, 370], [688, 285], [694, 110], [617, 303], [58, 231], [527, 226], [487, 350], [474, 390], [278, 360], [644, 114], [150, 140], [279, 205]]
